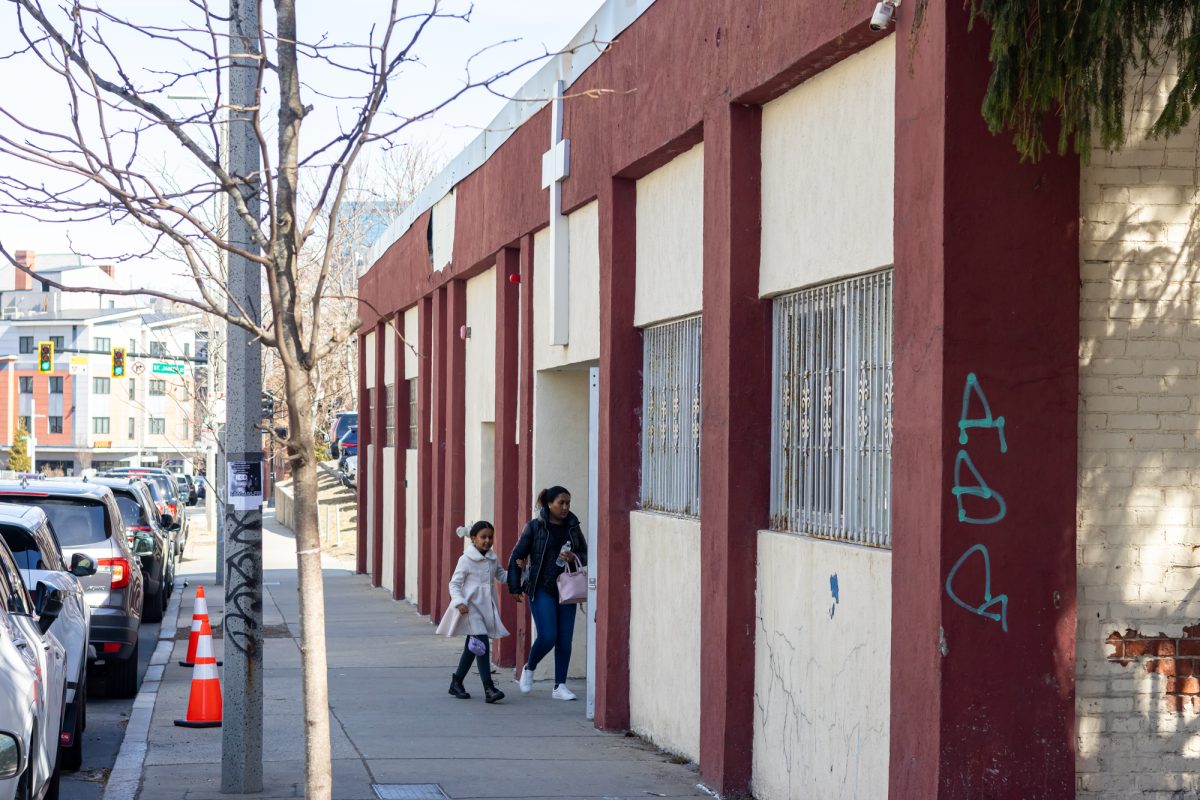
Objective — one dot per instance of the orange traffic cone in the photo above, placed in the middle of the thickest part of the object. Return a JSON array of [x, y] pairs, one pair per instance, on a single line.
[[204, 703], [200, 626]]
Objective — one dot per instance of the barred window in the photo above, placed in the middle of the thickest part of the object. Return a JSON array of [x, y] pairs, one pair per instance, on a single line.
[[412, 414], [390, 416], [831, 421], [671, 428]]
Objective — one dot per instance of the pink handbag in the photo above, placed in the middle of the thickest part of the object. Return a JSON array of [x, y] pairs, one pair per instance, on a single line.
[[572, 586]]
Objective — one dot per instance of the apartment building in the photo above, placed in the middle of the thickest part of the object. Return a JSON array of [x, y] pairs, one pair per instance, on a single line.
[[82, 417]]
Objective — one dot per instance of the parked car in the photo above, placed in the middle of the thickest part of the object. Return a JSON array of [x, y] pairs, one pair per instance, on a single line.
[[33, 686], [170, 497], [85, 518], [342, 422], [150, 541], [187, 488], [348, 446], [26, 532]]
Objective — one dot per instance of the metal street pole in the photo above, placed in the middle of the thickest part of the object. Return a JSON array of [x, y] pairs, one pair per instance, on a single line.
[[241, 733]]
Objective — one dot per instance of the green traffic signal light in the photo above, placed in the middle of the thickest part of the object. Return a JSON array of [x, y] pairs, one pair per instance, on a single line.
[[118, 362], [45, 357]]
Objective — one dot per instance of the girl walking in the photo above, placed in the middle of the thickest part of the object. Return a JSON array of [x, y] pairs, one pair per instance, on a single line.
[[473, 610]]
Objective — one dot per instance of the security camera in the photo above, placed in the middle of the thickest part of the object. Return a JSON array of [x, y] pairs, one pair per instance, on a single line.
[[883, 14]]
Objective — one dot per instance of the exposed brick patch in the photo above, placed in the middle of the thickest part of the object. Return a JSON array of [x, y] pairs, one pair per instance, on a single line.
[[1162, 655]]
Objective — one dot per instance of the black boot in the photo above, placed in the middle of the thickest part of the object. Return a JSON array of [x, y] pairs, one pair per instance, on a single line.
[[456, 688], [491, 693]]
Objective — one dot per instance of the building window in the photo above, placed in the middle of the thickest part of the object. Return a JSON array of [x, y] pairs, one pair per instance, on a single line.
[[25, 384], [133, 346], [101, 385], [412, 414], [133, 388], [26, 423], [671, 433], [56, 424], [831, 419], [187, 349], [390, 416], [26, 345], [158, 388], [59, 343], [158, 426], [132, 427], [56, 385], [158, 349], [99, 424], [103, 343]]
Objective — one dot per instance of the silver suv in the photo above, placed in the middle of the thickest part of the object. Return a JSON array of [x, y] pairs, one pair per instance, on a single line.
[[84, 518]]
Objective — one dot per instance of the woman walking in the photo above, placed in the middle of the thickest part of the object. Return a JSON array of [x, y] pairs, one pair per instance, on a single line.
[[549, 542]]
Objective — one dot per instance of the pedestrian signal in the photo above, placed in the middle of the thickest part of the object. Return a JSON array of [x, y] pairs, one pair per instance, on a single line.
[[118, 362], [45, 357]]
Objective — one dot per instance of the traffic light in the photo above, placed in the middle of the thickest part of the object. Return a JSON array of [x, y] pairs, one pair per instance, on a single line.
[[45, 357], [268, 406], [118, 362]]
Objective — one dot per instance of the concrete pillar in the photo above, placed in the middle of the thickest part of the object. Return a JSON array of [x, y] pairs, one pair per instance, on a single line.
[[736, 439], [379, 440], [508, 520], [364, 439], [524, 633], [425, 473], [620, 446], [986, 309], [400, 471]]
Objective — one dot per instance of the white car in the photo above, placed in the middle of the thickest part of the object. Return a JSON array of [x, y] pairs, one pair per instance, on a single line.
[[33, 687], [37, 554]]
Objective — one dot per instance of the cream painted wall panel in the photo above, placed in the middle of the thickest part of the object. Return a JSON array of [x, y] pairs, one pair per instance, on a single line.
[[827, 174], [664, 631], [410, 529], [823, 615], [480, 396], [560, 457], [411, 335], [444, 211], [389, 517], [670, 240], [584, 290], [369, 346], [389, 355], [364, 473]]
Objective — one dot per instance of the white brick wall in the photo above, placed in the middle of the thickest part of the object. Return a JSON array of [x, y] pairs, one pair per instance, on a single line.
[[1139, 477]]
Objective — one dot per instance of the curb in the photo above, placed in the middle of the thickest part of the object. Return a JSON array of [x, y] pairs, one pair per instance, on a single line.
[[126, 777]]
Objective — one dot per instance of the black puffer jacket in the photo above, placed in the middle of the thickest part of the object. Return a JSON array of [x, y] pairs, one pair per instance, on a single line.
[[532, 545]]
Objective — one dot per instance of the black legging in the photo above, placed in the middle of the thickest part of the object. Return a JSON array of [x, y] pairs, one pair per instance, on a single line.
[[485, 666]]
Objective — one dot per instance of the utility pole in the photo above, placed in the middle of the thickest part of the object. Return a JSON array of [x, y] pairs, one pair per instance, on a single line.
[[242, 729]]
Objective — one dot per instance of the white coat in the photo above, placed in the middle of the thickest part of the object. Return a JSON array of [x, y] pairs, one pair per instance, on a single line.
[[473, 585]]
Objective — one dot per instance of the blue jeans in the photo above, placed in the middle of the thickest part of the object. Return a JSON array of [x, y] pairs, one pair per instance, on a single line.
[[555, 630]]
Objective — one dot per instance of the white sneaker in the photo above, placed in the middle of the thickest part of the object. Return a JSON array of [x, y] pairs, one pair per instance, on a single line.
[[561, 692], [526, 680]]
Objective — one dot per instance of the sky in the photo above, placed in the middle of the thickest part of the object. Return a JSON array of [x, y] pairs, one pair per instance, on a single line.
[[507, 32]]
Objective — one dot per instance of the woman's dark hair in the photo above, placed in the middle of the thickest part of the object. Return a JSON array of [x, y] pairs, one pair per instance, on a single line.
[[548, 496], [482, 525]]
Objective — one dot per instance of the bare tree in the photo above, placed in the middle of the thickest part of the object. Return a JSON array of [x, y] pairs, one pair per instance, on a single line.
[[100, 159]]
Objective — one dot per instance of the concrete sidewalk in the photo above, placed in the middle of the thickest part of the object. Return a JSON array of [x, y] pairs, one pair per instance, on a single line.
[[392, 721]]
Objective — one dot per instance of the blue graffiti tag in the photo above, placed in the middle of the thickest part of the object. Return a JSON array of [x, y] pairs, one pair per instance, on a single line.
[[988, 600], [980, 490], [986, 421], [833, 588]]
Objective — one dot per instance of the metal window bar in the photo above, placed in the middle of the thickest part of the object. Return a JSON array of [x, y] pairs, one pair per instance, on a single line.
[[831, 413], [671, 433], [390, 416]]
